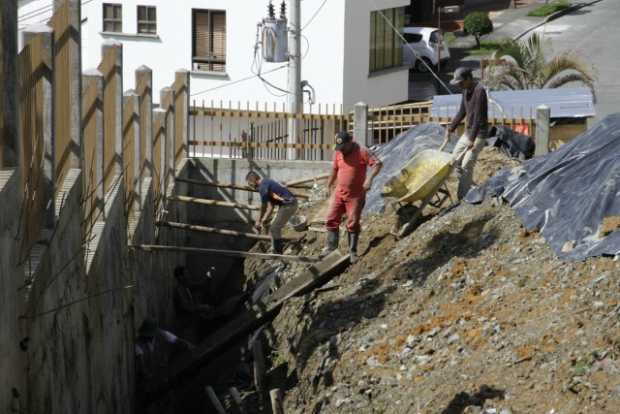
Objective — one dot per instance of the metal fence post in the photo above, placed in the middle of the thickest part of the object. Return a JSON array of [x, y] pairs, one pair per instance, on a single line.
[[543, 129], [360, 129]]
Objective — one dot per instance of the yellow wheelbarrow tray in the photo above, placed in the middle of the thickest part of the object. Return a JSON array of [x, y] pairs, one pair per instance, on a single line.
[[423, 177]]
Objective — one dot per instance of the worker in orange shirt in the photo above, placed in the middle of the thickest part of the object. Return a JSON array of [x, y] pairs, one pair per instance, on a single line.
[[348, 185]]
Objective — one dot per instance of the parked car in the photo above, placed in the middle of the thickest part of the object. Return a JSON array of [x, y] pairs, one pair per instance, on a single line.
[[426, 42]]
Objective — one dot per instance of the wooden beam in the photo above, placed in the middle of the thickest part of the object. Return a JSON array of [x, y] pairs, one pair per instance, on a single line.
[[214, 400], [230, 186], [216, 203], [218, 185], [297, 183], [238, 328], [276, 401], [231, 253], [206, 229]]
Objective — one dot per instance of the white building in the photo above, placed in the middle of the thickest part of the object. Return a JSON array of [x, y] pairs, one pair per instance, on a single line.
[[215, 39]]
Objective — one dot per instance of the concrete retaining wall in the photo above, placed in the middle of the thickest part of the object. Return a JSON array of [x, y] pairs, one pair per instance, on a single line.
[[12, 389]]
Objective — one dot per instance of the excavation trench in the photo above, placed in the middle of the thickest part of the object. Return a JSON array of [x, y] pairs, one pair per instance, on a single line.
[[233, 361]]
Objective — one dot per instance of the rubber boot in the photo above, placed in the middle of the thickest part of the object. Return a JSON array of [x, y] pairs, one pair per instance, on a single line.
[[353, 240], [332, 242], [278, 246]]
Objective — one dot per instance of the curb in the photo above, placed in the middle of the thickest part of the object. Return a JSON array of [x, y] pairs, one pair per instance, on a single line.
[[555, 16]]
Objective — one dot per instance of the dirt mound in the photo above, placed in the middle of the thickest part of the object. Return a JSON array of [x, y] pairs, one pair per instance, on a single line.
[[468, 314]]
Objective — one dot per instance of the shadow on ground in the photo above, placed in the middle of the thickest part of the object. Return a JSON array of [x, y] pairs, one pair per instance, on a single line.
[[462, 400], [468, 242], [335, 316]]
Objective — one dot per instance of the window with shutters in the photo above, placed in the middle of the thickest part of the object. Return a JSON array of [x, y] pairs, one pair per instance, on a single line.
[[112, 18], [385, 44], [209, 41], [147, 20]]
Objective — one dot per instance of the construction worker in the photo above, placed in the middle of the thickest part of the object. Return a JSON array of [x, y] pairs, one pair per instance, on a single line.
[[348, 185], [272, 195], [474, 109], [154, 347]]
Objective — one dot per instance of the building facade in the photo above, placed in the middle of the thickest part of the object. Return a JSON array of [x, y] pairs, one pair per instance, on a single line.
[[350, 52]]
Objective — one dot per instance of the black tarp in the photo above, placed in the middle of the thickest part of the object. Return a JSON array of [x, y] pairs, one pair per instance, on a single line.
[[395, 155], [567, 193]]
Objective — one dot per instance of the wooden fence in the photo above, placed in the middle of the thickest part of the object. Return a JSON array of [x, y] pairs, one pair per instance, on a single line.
[[112, 136], [262, 132]]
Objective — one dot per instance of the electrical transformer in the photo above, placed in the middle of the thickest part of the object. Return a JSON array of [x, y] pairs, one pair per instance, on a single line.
[[274, 40]]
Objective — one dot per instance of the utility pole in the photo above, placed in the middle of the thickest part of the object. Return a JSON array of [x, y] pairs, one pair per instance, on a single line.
[[295, 98]]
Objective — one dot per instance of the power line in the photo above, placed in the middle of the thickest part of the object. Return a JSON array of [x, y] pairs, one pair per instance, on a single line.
[[237, 81], [316, 13]]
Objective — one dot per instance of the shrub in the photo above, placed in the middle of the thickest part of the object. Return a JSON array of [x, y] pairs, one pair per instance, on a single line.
[[478, 24]]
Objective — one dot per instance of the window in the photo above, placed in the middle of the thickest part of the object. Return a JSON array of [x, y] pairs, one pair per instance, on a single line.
[[147, 20], [385, 45], [209, 41], [112, 18], [412, 37]]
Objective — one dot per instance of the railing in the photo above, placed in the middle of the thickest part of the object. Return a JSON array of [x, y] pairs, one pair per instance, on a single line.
[[388, 122], [262, 132]]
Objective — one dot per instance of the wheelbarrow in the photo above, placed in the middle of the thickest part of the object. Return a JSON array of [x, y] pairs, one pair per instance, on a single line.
[[420, 183]]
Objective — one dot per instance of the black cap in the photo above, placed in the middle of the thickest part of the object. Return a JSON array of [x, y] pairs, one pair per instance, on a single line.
[[342, 138], [460, 75]]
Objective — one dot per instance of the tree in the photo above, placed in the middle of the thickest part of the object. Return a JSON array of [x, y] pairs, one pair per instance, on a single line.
[[519, 65], [478, 24]]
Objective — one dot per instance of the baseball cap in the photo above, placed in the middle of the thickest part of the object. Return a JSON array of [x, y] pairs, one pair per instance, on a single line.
[[342, 138], [460, 75]]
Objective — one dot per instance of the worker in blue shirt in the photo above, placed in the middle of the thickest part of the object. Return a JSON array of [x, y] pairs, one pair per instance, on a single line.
[[272, 195]]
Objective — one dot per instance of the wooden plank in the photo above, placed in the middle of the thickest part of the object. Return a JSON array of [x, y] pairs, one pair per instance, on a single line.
[[215, 203], [296, 183], [224, 232], [230, 253], [237, 329], [231, 186]]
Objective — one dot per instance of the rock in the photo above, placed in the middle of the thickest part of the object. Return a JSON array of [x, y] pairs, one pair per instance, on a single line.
[[454, 338], [598, 305], [342, 401], [505, 411], [412, 340], [372, 361], [432, 333]]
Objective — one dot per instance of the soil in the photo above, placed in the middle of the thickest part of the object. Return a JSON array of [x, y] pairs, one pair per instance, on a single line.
[[468, 314]]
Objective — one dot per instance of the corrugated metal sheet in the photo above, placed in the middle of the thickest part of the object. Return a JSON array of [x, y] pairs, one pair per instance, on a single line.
[[564, 103]]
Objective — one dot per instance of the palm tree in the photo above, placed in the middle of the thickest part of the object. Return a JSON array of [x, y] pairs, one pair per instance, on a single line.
[[523, 65]]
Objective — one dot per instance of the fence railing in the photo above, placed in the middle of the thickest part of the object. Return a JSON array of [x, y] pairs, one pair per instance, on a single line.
[[113, 137], [255, 133], [262, 132]]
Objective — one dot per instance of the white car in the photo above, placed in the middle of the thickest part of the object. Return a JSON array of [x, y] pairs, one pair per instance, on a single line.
[[427, 44]]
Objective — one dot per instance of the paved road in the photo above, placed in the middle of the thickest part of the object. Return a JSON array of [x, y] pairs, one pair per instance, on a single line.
[[593, 33]]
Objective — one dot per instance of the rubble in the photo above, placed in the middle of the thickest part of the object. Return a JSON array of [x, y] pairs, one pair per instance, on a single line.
[[467, 314]]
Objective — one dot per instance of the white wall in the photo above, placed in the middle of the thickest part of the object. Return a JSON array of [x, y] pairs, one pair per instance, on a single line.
[[378, 89], [337, 71]]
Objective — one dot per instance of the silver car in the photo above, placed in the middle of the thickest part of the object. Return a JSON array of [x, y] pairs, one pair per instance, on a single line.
[[424, 44]]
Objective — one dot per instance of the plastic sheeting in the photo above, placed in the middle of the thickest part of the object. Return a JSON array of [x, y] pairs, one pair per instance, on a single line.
[[395, 155], [567, 194]]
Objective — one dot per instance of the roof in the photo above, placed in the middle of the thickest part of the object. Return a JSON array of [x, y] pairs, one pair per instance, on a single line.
[[564, 103]]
